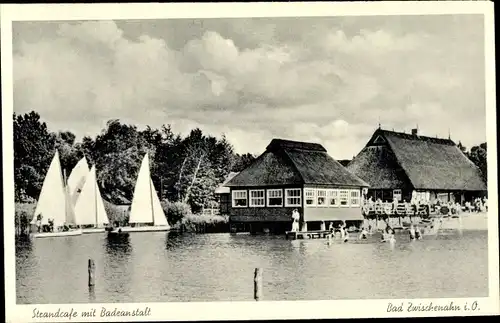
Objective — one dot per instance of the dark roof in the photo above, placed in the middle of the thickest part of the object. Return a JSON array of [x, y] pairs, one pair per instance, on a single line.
[[428, 163], [288, 162], [378, 166], [279, 144]]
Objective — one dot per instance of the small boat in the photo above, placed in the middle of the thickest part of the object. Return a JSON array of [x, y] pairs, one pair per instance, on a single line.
[[55, 203], [69, 233], [89, 208], [146, 213]]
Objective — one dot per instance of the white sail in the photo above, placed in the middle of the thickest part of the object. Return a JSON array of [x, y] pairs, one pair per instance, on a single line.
[[142, 207], [89, 208], [158, 214], [52, 201], [146, 206], [76, 179]]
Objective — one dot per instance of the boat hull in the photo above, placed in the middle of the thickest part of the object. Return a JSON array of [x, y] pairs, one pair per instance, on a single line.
[[93, 230], [140, 229], [57, 234]]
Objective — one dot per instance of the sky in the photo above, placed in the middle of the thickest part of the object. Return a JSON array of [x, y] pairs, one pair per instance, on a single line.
[[329, 80]]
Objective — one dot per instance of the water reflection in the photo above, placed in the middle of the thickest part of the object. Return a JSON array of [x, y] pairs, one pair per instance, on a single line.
[[117, 244], [164, 267], [173, 240], [118, 265]]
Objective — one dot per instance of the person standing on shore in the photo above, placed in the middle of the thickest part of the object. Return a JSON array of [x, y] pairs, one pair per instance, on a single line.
[[295, 220]]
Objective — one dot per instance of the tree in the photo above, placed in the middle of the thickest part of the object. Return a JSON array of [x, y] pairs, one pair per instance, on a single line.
[[188, 168], [118, 154], [242, 162], [478, 155], [33, 152]]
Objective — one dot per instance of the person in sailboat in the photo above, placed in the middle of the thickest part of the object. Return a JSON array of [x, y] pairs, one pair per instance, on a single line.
[[39, 222], [51, 225]]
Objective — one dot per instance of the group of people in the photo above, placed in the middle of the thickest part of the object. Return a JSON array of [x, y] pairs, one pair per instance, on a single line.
[[437, 205], [477, 205], [49, 227], [341, 230]]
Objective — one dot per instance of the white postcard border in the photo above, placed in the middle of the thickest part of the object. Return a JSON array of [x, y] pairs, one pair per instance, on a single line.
[[244, 310]]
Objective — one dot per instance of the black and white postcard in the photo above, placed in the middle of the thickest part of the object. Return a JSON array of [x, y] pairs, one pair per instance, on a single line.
[[249, 161]]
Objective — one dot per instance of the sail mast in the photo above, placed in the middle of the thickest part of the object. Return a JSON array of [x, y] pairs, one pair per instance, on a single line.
[[65, 193], [95, 197], [150, 191]]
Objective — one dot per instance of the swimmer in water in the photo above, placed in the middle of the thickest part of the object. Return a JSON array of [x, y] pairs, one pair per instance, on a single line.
[[345, 234], [412, 232], [363, 234], [418, 234]]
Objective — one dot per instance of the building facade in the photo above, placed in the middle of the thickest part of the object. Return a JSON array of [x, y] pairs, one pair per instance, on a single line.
[[294, 175], [223, 195], [404, 166]]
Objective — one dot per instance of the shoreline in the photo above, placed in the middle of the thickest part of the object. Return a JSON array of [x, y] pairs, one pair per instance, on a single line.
[[467, 221]]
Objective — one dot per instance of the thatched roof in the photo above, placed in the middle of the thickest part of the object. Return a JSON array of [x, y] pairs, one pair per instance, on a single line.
[[287, 162], [391, 159], [222, 188], [377, 165]]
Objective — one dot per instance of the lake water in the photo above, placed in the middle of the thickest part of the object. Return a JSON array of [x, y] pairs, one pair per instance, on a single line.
[[160, 267]]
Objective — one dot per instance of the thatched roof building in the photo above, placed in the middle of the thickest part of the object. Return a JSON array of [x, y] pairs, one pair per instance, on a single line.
[[287, 162], [293, 175], [399, 161]]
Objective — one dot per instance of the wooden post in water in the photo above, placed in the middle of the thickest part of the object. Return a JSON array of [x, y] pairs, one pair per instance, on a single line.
[[257, 283], [91, 272]]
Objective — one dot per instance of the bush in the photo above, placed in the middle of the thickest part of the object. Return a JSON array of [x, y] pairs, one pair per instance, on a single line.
[[118, 213], [23, 215], [206, 219], [175, 211], [206, 223]]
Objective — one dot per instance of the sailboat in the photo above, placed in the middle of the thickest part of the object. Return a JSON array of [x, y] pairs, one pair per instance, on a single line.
[[146, 207], [55, 203], [89, 208], [76, 179]]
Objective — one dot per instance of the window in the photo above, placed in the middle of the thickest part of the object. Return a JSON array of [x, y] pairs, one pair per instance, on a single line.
[[397, 195], [354, 197], [344, 198], [293, 197], [257, 198], [310, 196], [239, 198], [333, 197], [321, 198], [274, 197]]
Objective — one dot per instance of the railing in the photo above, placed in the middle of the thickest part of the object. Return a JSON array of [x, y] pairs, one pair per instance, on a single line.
[[399, 209]]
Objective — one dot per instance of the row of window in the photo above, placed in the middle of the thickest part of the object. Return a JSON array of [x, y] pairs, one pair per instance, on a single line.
[[293, 197]]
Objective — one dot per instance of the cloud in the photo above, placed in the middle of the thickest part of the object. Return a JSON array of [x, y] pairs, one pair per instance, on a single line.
[[254, 79]]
